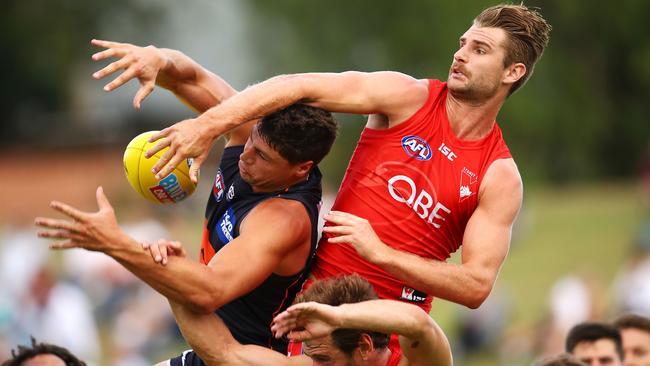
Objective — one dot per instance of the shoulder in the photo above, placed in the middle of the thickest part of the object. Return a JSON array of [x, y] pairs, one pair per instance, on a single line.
[[502, 186], [279, 214]]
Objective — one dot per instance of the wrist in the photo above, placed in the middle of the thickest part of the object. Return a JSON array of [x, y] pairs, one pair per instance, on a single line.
[[382, 255], [166, 68], [120, 245]]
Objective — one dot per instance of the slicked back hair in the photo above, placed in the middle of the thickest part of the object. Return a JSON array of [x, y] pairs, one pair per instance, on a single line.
[[527, 34]]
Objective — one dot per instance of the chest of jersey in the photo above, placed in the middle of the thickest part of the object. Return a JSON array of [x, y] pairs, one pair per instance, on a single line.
[[417, 183]]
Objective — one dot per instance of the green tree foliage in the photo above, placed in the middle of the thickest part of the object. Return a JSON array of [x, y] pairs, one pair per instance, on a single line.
[[43, 44], [583, 115]]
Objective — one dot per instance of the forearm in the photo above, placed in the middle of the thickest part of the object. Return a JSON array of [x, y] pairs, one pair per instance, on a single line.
[[212, 341], [189, 283], [405, 319], [460, 283], [253, 103], [195, 86], [205, 333]]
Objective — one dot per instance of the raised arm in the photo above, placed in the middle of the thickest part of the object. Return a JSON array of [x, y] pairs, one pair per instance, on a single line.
[[421, 339], [195, 86], [271, 232], [485, 243], [391, 95]]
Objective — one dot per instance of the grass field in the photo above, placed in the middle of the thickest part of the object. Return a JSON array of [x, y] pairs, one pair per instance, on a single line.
[[582, 229]]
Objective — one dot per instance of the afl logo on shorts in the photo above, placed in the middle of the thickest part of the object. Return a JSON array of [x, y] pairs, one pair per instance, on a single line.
[[218, 188], [416, 147]]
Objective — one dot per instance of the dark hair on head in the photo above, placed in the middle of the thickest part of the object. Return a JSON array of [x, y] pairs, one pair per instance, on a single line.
[[564, 359], [341, 290], [592, 332], [299, 133], [527, 35], [24, 353], [635, 321]]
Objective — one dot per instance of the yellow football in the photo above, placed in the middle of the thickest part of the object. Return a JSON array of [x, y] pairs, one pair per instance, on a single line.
[[170, 189]]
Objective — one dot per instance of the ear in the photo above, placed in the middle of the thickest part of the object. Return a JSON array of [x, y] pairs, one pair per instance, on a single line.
[[513, 73], [302, 169], [366, 347]]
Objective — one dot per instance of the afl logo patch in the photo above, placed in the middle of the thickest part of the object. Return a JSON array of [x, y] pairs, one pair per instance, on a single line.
[[416, 147], [219, 187]]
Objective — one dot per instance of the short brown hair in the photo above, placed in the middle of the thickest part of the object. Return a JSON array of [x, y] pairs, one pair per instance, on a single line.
[[341, 290], [564, 359], [299, 132], [527, 34], [635, 321]]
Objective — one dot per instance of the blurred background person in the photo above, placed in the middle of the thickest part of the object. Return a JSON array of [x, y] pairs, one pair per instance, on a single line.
[[635, 331], [595, 344], [42, 354]]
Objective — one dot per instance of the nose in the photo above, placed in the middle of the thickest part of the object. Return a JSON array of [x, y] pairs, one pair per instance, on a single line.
[[461, 55], [247, 155]]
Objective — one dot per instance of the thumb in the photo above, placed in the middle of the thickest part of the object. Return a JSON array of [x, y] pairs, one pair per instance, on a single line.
[[102, 200], [196, 167]]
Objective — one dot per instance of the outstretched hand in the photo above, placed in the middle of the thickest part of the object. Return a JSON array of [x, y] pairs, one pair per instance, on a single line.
[[190, 138], [307, 320], [143, 63], [96, 231]]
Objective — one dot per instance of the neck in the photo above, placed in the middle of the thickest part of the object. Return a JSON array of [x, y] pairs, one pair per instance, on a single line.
[[472, 120], [280, 187], [379, 357]]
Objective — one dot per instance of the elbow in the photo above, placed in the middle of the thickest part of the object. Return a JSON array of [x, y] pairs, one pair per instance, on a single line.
[[474, 298], [204, 303]]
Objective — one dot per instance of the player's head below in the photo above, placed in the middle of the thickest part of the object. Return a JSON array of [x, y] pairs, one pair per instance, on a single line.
[[595, 344], [635, 332], [563, 359], [497, 54], [42, 354], [344, 346], [284, 146]]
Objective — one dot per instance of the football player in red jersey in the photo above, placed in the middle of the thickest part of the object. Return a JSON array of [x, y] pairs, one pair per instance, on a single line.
[[431, 171]]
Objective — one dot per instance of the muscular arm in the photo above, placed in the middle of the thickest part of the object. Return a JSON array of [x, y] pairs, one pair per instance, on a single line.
[[391, 94], [421, 339], [485, 244], [190, 82], [273, 230], [212, 341]]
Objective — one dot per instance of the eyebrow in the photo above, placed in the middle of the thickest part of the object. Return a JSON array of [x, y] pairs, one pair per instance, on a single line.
[[264, 155], [480, 43]]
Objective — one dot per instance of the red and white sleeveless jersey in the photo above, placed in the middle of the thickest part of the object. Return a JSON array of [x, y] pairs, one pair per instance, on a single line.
[[417, 184]]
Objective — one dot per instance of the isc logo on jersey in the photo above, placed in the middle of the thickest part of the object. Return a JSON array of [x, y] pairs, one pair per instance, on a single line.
[[416, 147], [219, 187], [226, 226]]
